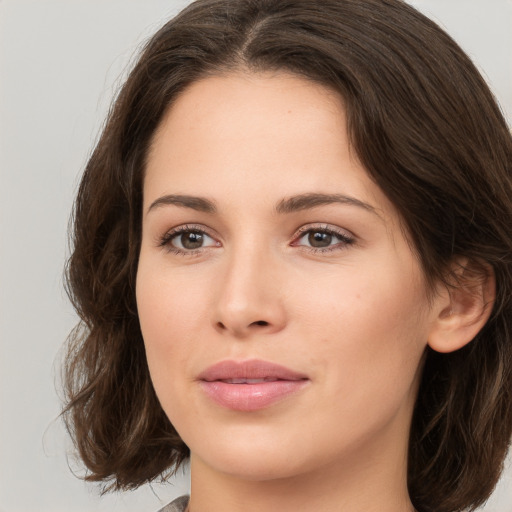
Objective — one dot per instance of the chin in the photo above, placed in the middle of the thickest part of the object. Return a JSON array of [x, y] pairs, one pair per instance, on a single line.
[[253, 459], [256, 467]]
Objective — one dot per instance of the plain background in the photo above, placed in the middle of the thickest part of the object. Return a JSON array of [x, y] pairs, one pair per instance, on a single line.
[[61, 62]]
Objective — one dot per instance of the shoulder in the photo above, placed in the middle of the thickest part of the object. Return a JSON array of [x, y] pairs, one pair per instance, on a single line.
[[178, 505]]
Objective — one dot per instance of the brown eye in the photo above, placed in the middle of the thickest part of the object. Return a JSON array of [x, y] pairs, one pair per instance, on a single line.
[[191, 240], [324, 239], [319, 239]]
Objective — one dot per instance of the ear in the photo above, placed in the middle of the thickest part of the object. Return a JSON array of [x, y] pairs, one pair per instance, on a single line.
[[462, 306]]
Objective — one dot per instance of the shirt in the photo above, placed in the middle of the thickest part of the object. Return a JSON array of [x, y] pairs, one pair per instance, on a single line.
[[178, 505]]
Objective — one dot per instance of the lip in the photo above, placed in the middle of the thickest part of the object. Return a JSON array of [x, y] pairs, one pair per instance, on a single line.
[[250, 385]]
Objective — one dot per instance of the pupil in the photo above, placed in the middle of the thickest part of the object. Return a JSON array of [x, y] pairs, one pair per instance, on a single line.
[[192, 240], [319, 239]]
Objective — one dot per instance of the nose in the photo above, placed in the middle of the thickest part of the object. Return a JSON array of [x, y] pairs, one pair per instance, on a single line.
[[249, 298]]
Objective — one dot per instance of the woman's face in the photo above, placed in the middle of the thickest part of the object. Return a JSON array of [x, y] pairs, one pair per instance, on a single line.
[[283, 312]]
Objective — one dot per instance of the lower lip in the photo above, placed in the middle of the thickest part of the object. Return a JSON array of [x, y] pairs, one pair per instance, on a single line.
[[251, 397]]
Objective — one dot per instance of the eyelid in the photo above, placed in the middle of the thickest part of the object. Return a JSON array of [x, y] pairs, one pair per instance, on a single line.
[[322, 226], [345, 236], [165, 240]]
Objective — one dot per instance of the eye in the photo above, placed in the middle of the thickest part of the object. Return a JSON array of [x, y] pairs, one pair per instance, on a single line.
[[191, 240], [185, 239], [323, 239]]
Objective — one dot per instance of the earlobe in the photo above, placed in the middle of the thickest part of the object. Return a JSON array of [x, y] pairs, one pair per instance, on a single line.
[[463, 307]]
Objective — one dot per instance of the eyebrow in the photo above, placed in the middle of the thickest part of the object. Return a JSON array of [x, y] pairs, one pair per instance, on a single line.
[[200, 204], [312, 200], [287, 205]]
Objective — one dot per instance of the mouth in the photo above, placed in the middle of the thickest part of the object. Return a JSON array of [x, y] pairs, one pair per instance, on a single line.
[[250, 385], [249, 381]]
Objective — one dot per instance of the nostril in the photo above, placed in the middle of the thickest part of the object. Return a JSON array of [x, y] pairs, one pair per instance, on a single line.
[[220, 326]]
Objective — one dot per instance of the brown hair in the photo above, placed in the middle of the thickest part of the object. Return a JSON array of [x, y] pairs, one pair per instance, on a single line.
[[428, 131]]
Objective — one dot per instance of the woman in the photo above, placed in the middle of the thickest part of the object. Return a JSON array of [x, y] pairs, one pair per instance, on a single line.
[[292, 260]]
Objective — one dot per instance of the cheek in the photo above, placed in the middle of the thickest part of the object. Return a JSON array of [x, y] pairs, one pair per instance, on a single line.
[[169, 314], [355, 302], [370, 327]]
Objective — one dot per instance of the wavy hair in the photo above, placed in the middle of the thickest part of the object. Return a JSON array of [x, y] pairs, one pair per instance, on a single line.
[[429, 132]]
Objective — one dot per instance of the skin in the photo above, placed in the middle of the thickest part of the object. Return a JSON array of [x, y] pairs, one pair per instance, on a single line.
[[354, 316]]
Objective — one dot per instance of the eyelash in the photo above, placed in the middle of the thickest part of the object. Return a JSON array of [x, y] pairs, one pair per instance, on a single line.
[[166, 240], [344, 239]]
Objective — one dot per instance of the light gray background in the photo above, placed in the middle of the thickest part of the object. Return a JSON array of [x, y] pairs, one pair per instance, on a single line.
[[60, 64]]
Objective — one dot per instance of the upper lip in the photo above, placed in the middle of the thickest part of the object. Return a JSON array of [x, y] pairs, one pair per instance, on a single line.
[[251, 369]]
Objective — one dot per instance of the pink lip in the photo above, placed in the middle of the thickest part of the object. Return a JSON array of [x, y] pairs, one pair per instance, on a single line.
[[224, 384]]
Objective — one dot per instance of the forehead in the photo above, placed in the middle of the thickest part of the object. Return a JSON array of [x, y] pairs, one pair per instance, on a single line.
[[251, 108], [266, 135]]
